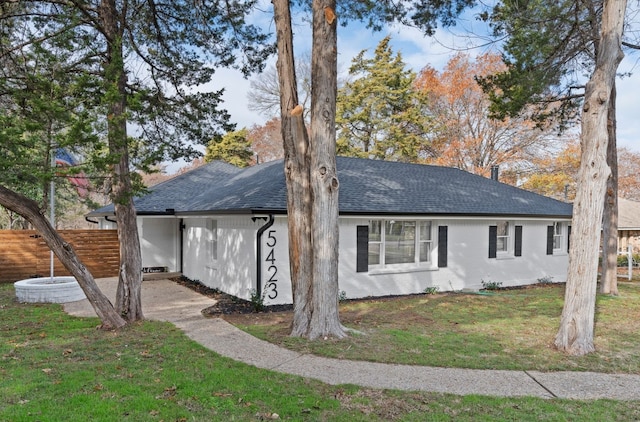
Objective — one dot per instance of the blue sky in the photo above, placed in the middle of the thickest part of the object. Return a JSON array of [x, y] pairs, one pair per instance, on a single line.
[[417, 51]]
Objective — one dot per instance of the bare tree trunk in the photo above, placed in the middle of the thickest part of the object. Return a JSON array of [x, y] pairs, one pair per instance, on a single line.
[[128, 295], [30, 211], [324, 176], [296, 166], [609, 279], [575, 335], [312, 183]]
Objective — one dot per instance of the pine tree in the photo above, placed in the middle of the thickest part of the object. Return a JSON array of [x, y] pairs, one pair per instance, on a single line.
[[380, 113]]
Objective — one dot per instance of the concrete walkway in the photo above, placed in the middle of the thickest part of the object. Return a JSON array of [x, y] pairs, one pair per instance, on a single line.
[[165, 300]]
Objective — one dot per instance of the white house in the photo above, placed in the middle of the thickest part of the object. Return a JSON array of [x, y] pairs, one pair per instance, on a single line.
[[628, 225], [403, 228]]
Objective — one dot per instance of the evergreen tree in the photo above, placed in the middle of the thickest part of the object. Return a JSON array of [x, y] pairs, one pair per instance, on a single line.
[[380, 113], [150, 60], [233, 148]]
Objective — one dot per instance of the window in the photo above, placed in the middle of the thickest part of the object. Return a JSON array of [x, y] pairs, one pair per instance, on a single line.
[[212, 239], [558, 236], [397, 242], [556, 243], [505, 239], [502, 245]]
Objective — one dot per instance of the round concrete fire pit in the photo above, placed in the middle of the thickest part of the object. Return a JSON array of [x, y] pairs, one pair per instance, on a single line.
[[48, 290]]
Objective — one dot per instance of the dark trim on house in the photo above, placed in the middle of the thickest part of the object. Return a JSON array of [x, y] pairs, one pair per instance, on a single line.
[[436, 215], [493, 241], [517, 249], [181, 227], [362, 249], [550, 232], [443, 234]]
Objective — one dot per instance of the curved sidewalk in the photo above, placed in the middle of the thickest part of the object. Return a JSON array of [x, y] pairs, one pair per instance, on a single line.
[[165, 300]]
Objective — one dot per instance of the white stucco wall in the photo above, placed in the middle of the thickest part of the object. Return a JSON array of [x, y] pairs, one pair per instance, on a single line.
[[159, 242], [234, 270], [468, 261]]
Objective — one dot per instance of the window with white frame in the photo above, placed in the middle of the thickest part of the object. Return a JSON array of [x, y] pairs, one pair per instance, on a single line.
[[212, 239], [400, 242], [504, 237], [558, 236]]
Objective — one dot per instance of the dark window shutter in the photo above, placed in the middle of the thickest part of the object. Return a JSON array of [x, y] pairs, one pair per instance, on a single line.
[[362, 253], [550, 232], [568, 238], [442, 246], [493, 241], [517, 250]]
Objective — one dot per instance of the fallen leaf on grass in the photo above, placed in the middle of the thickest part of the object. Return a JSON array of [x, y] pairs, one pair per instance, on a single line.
[[267, 416], [218, 394]]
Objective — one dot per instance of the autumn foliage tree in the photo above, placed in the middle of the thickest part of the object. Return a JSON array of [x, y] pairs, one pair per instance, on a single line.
[[629, 174], [555, 173], [465, 136], [266, 141]]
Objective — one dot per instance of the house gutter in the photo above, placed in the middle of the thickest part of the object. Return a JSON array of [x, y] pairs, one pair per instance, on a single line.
[[261, 230], [181, 227]]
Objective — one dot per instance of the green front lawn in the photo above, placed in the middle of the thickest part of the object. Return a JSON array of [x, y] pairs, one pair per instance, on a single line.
[[503, 329], [54, 367]]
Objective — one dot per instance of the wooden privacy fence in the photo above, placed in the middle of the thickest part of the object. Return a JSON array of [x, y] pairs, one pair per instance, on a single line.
[[24, 254]]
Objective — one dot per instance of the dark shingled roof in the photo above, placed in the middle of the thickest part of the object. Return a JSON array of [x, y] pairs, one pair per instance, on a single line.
[[367, 187]]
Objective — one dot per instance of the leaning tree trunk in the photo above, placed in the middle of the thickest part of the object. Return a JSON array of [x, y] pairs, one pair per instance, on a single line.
[[576, 332], [609, 279], [128, 295], [324, 176], [296, 166], [29, 210]]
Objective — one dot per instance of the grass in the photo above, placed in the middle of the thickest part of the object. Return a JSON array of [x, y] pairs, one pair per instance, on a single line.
[[54, 367], [502, 329]]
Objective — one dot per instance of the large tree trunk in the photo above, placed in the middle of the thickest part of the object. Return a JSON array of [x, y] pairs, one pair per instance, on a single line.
[[324, 176], [312, 183], [30, 211], [609, 279], [576, 332], [128, 295], [296, 166]]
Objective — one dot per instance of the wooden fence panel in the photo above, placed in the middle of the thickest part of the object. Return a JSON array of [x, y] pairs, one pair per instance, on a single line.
[[23, 254], [18, 258]]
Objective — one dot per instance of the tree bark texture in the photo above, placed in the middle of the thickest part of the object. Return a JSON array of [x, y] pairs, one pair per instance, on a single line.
[[609, 278], [576, 332], [128, 294], [296, 169], [30, 211], [324, 176]]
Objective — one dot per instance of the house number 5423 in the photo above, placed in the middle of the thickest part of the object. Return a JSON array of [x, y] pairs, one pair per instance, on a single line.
[[271, 286]]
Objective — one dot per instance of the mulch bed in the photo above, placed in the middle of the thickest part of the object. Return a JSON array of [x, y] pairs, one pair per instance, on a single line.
[[225, 303]]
